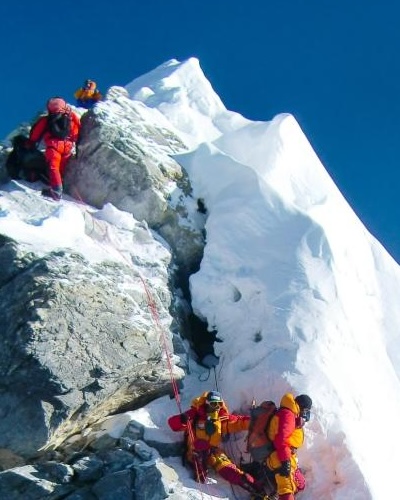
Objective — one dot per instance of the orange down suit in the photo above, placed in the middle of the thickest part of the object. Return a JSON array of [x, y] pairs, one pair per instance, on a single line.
[[286, 433], [58, 151], [203, 446]]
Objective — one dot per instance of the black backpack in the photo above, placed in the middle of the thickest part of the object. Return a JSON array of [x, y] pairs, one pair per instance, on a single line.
[[59, 125], [26, 163]]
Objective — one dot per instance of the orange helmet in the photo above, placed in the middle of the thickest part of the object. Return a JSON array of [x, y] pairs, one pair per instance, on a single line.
[[56, 105]]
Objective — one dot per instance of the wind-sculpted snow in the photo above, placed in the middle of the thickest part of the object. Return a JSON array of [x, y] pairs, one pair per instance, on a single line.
[[289, 280], [186, 98]]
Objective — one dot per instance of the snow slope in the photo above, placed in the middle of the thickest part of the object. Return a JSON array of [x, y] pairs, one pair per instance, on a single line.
[[303, 296]]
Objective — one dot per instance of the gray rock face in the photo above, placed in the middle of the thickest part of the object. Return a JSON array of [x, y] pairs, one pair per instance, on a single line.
[[79, 338], [137, 474], [69, 344], [3, 157], [124, 158], [23, 482]]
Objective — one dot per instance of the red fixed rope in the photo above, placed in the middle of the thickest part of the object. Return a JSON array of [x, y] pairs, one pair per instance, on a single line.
[[154, 312], [153, 309]]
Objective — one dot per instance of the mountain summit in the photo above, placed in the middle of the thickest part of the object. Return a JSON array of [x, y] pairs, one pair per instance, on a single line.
[[182, 93]]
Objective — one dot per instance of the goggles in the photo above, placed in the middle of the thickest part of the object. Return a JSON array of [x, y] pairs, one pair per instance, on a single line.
[[305, 414], [214, 405]]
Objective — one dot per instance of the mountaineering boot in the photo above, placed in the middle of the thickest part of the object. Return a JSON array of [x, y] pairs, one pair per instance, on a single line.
[[264, 496], [254, 487], [54, 194]]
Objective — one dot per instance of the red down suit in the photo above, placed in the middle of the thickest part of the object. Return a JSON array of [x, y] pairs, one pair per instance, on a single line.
[[58, 151]]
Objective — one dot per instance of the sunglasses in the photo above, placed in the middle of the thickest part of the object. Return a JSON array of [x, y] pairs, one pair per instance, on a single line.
[[214, 404]]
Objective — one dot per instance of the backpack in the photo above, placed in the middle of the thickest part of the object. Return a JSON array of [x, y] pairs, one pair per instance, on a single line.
[[59, 125], [258, 444], [26, 163]]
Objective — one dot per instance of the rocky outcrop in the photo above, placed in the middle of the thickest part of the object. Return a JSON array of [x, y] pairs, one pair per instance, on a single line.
[[78, 340], [123, 469], [125, 158]]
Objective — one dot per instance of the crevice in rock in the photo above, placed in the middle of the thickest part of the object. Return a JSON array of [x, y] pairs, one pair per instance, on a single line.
[[195, 329]]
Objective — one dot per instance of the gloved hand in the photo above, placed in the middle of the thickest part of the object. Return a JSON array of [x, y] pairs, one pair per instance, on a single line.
[[285, 468], [184, 418]]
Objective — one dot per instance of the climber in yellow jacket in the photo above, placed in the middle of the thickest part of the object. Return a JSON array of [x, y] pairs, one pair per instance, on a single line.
[[205, 424], [87, 95], [286, 433]]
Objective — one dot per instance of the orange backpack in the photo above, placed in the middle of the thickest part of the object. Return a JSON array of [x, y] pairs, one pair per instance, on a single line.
[[258, 444]]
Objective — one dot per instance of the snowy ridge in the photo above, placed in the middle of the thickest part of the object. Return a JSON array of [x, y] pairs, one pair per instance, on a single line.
[[297, 287], [181, 92], [293, 267]]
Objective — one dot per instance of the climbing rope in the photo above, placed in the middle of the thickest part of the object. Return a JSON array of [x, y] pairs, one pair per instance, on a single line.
[[153, 308], [216, 379], [150, 302], [156, 319]]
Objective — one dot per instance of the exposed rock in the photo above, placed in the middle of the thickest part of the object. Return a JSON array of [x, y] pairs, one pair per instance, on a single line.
[[9, 460], [125, 159], [56, 472], [26, 482], [138, 474], [88, 468], [71, 350], [116, 485], [148, 482], [79, 340]]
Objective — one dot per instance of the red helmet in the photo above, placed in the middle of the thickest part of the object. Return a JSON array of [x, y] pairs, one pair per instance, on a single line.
[[56, 105]]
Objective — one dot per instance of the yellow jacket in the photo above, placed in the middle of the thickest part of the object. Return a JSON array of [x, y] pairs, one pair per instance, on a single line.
[[283, 431], [209, 428], [86, 94]]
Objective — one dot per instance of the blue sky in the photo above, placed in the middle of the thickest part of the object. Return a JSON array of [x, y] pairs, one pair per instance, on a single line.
[[334, 66]]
